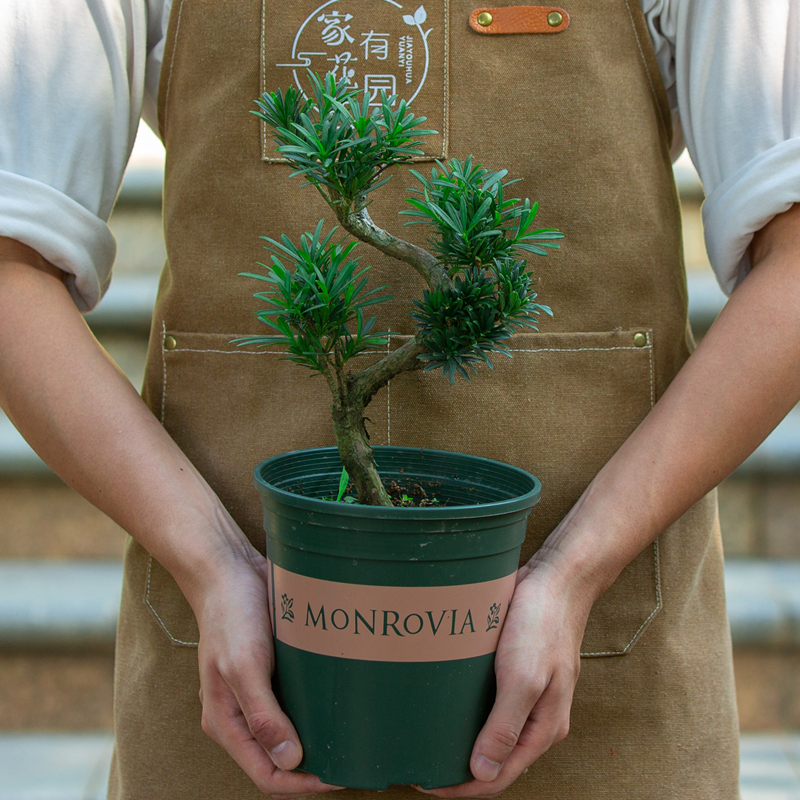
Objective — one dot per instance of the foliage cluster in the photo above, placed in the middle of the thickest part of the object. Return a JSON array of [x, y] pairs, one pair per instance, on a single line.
[[479, 288], [336, 139], [474, 223], [317, 294], [463, 325], [342, 146]]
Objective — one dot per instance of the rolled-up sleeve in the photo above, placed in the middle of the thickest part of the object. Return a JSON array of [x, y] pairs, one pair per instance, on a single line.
[[72, 86], [737, 83]]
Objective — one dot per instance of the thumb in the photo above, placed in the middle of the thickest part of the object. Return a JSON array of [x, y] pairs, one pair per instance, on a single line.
[[270, 727], [502, 730]]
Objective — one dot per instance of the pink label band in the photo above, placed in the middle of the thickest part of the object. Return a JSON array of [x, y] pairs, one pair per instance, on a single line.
[[389, 623]]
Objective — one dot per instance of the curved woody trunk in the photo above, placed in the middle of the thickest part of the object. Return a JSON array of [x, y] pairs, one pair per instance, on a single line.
[[350, 399]]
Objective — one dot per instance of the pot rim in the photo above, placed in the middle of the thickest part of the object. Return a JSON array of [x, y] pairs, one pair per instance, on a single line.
[[495, 508]]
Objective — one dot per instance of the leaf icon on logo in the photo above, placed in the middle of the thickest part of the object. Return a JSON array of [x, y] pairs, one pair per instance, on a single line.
[[420, 15], [286, 608], [494, 616]]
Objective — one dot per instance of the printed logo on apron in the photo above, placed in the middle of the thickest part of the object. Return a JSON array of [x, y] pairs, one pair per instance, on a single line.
[[376, 45]]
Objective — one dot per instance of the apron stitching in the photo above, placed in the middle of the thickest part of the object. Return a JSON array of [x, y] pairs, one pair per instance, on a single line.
[[264, 137], [155, 613], [647, 72], [659, 606], [577, 349], [446, 81], [171, 63], [233, 352], [380, 352], [445, 87], [656, 552], [255, 352], [388, 398], [164, 372], [150, 559]]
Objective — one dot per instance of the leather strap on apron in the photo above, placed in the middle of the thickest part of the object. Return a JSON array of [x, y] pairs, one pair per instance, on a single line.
[[580, 115]]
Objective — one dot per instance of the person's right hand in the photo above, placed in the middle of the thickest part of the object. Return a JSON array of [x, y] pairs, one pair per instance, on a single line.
[[240, 711]]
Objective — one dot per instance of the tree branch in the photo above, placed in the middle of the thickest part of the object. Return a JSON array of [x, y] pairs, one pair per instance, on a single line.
[[366, 383], [360, 224]]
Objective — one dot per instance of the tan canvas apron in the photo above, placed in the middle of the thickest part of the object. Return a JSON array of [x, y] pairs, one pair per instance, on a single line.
[[581, 117]]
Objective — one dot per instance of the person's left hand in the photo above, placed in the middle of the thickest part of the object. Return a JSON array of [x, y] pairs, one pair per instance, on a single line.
[[537, 666]]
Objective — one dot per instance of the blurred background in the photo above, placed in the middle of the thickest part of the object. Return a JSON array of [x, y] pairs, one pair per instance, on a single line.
[[60, 568]]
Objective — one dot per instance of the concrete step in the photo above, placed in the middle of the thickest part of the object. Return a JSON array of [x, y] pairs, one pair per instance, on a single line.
[[57, 630], [75, 766], [779, 454], [706, 299], [143, 184], [770, 767], [127, 305], [48, 766], [43, 518], [74, 604], [57, 605], [764, 603]]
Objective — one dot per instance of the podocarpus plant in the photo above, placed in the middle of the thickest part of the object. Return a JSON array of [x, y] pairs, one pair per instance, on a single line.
[[479, 289]]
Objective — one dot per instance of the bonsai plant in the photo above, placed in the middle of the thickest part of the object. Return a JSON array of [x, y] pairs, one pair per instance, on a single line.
[[386, 619], [478, 286]]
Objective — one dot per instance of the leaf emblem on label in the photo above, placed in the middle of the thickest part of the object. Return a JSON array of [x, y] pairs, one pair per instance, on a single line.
[[286, 608], [494, 616], [420, 15]]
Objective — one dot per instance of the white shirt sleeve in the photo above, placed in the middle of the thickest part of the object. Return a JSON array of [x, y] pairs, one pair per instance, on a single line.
[[732, 71], [74, 77]]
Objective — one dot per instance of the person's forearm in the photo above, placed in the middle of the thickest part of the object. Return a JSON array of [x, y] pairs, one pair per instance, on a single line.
[[84, 418], [80, 413], [732, 391], [738, 385]]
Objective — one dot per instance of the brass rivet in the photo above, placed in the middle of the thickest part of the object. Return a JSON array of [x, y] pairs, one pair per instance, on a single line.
[[170, 343], [640, 339], [484, 18], [554, 19]]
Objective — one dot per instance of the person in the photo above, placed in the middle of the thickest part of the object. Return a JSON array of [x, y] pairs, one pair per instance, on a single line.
[[622, 565]]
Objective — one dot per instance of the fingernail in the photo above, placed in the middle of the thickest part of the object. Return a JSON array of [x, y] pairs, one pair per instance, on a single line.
[[286, 755], [484, 769]]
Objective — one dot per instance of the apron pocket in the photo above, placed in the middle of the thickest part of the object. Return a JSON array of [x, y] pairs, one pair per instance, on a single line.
[[560, 409], [377, 45]]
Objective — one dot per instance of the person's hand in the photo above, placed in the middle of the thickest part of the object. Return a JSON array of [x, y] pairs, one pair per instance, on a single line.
[[240, 711], [537, 666]]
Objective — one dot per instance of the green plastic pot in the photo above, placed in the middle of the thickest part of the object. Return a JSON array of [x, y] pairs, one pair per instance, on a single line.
[[386, 619]]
